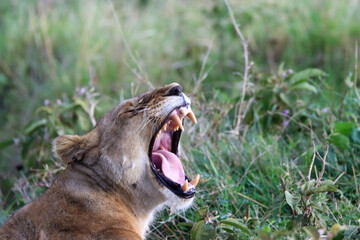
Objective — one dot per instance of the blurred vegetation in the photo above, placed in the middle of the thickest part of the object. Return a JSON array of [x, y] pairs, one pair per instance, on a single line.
[[62, 60]]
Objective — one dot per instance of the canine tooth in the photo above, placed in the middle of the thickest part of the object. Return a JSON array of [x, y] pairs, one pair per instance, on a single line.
[[195, 181], [164, 127], [185, 187], [158, 134], [192, 116], [177, 121]]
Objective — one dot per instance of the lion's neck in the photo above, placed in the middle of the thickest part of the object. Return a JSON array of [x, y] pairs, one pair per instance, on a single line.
[[146, 201], [137, 200]]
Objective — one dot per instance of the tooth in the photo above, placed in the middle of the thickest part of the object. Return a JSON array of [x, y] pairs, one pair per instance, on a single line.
[[177, 121], [195, 181], [158, 134], [192, 116], [164, 127], [185, 187]]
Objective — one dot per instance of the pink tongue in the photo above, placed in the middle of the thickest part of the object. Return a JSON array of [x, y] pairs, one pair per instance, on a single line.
[[170, 165]]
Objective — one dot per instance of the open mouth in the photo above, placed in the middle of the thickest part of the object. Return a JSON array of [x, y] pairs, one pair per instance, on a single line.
[[163, 154]]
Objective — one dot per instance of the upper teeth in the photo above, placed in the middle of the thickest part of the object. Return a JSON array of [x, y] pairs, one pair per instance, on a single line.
[[176, 121], [158, 134], [192, 116]]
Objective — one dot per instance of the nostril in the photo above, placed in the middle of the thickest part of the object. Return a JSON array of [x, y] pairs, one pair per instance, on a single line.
[[175, 91]]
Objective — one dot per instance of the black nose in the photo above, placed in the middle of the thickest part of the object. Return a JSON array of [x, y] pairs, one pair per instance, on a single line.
[[175, 91]]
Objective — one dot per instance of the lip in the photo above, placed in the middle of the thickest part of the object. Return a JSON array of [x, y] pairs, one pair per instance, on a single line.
[[171, 185]]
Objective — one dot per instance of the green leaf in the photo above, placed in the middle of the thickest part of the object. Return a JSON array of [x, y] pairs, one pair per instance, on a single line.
[[196, 229], [355, 135], [48, 110], [339, 140], [305, 74], [84, 120], [285, 99], [312, 232], [34, 126], [308, 185], [82, 104], [351, 232], [67, 106], [343, 128], [227, 228], [6, 143], [315, 206], [237, 224], [325, 187], [185, 224], [303, 86], [289, 199]]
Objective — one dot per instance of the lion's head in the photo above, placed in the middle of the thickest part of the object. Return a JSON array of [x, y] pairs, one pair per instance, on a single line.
[[134, 149]]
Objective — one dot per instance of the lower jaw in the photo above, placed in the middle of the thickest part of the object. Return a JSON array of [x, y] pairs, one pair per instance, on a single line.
[[174, 187]]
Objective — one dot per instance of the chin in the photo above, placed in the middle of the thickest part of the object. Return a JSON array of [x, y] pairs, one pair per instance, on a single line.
[[175, 203]]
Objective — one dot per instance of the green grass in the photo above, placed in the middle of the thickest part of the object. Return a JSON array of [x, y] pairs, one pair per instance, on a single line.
[[49, 49]]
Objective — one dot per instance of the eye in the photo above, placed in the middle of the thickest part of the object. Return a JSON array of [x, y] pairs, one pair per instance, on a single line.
[[175, 91]]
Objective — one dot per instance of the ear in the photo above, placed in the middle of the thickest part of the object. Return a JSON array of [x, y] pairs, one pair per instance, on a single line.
[[69, 148]]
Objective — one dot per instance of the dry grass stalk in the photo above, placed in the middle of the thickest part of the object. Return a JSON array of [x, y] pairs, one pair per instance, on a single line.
[[202, 76], [312, 163], [143, 77], [246, 68], [356, 186], [252, 200], [337, 179], [355, 70], [323, 159]]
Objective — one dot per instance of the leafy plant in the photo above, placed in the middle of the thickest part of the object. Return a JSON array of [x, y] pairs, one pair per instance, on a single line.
[[68, 116], [284, 97], [208, 226]]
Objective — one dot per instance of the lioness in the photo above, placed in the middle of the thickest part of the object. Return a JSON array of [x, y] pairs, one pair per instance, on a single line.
[[117, 176]]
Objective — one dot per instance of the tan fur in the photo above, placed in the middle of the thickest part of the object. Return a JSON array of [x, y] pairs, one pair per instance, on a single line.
[[108, 190]]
